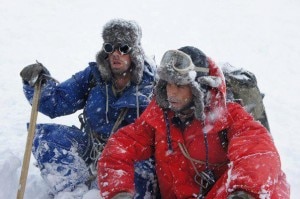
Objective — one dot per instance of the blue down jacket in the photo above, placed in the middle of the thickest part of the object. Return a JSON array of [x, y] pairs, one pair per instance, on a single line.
[[62, 151], [86, 90]]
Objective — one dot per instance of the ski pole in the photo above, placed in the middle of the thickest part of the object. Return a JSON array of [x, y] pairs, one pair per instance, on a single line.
[[31, 131]]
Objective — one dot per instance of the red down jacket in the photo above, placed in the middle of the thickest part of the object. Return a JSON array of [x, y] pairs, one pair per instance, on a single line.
[[251, 161]]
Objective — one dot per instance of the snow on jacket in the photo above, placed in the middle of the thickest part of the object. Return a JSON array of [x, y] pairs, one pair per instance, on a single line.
[[86, 90], [251, 161]]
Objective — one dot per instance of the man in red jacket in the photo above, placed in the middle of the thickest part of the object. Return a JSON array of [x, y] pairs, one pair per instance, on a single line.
[[204, 147]]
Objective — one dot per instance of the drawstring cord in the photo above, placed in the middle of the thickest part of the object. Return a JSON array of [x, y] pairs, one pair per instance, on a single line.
[[168, 131], [106, 108], [202, 192], [206, 150], [137, 101]]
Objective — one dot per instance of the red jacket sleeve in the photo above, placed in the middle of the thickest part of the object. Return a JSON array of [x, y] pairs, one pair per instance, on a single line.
[[116, 164], [254, 161]]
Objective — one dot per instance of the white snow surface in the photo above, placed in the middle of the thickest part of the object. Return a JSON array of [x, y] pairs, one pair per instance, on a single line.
[[259, 35]]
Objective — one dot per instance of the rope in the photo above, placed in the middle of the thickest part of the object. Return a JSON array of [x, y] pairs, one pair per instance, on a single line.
[[206, 181], [95, 153], [119, 120], [98, 143], [187, 155]]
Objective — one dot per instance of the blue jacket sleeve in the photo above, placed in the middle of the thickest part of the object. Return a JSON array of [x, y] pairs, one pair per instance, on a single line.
[[64, 98]]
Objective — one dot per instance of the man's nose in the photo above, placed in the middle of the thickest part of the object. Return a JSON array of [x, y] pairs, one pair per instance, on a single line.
[[172, 91], [116, 52]]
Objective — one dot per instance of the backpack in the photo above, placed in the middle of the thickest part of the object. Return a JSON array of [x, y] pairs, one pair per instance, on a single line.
[[241, 87]]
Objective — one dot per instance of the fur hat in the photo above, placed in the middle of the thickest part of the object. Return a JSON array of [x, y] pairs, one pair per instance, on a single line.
[[183, 67], [125, 32]]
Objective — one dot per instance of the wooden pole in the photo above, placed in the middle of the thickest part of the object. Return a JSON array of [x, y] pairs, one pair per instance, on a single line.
[[31, 132]]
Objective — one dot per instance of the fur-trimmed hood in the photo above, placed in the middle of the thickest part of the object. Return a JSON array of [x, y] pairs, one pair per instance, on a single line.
[[190, 66], [125, 32]]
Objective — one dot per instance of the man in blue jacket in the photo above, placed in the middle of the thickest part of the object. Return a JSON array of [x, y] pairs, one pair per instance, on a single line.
[[112, 92]]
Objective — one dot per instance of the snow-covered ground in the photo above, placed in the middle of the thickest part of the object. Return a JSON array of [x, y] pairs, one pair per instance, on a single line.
[[259, 35]]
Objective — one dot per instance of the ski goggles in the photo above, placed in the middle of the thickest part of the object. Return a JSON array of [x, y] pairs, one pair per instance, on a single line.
[[181, 62], [110, 48]]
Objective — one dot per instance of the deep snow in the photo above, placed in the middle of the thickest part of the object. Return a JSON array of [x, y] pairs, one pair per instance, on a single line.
[[259, 35]]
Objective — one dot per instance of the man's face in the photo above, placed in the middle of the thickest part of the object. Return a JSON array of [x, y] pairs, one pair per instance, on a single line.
[[179, 96], [119, 63]]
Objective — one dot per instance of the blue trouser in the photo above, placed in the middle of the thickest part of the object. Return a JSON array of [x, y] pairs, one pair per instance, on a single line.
[[62, 154]]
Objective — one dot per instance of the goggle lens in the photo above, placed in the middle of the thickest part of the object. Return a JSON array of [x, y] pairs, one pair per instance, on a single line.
[[123, 48], [181, 62], [108, 48]]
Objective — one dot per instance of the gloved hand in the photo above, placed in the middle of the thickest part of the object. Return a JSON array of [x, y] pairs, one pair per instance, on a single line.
[[123, 195], [31, 73], [240, 195]]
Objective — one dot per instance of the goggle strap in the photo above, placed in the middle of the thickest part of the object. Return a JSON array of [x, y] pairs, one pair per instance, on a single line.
[[201, 69], [183, 70]]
